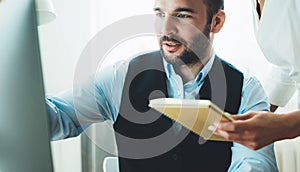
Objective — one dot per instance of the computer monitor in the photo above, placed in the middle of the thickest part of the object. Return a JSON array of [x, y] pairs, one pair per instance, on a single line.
[[24, 133]]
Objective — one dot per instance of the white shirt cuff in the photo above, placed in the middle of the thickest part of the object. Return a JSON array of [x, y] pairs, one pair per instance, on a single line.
[[279, 87]]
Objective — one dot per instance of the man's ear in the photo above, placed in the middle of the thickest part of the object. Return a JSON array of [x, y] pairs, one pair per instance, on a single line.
[[218, 21]]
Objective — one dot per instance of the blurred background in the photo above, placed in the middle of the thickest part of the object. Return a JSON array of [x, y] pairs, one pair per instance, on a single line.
[[63, 40]]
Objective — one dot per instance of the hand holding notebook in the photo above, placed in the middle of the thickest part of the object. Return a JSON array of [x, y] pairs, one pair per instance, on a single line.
[[196, 115]]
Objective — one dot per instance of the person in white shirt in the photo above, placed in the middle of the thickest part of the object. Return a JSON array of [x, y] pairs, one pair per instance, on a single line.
[[277, 33]]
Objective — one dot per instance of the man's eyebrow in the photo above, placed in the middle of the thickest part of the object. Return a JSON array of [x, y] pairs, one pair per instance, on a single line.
[[185, 10], [178, 10]]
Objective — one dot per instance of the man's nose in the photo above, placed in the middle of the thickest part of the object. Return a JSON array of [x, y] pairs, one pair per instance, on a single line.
[[167, 25]]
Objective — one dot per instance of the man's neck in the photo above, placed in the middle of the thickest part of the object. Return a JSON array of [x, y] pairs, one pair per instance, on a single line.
[[190, 72]]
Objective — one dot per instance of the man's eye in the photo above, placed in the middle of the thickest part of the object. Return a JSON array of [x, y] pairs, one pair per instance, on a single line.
[[160, 14], [183, 16]]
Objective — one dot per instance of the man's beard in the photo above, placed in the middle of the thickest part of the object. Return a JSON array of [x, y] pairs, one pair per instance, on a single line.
[[191, 54]]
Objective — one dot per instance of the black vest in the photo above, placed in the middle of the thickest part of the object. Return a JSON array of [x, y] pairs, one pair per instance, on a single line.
[[144, 136]]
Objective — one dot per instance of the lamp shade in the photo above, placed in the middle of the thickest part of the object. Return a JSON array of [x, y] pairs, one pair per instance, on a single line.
[[45, 11]]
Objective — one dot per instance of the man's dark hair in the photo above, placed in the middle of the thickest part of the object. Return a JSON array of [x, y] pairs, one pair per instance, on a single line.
[[213, 6]]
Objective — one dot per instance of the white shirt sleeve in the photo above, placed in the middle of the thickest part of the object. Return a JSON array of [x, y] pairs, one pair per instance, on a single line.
[[277, 33]]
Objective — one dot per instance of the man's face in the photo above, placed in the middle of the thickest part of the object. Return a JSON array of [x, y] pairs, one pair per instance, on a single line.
[[182, 27]]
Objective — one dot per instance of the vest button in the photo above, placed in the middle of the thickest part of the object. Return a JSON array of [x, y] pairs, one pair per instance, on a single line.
[[179, 93], [175, 157]]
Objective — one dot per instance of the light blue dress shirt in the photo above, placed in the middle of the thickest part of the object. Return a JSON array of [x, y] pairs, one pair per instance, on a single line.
[[99, 99]]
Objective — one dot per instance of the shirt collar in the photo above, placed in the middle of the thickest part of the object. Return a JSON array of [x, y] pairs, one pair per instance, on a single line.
[[201, 75]]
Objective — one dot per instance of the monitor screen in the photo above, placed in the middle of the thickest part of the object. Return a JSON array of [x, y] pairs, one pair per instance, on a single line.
[[24, 133]]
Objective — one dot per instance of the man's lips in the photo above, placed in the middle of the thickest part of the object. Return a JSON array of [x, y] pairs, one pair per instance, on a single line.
[[171, 46]]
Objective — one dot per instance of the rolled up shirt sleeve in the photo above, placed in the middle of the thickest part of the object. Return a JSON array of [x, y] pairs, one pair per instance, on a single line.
[[96, 100], [63, 121], [243, 158], [280, 86]]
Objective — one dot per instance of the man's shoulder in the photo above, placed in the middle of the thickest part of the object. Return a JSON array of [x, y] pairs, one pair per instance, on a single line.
[[147, 60], [230, 66], [247, 77], [249, 80]]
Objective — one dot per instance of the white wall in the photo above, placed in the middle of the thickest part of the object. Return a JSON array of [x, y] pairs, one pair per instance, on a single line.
[[61, 43]]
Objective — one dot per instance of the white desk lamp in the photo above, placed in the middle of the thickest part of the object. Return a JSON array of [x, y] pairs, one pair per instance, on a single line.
[[45, 11]]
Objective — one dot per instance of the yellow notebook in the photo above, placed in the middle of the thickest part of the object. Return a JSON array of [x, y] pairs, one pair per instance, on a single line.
[[196, 115]]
